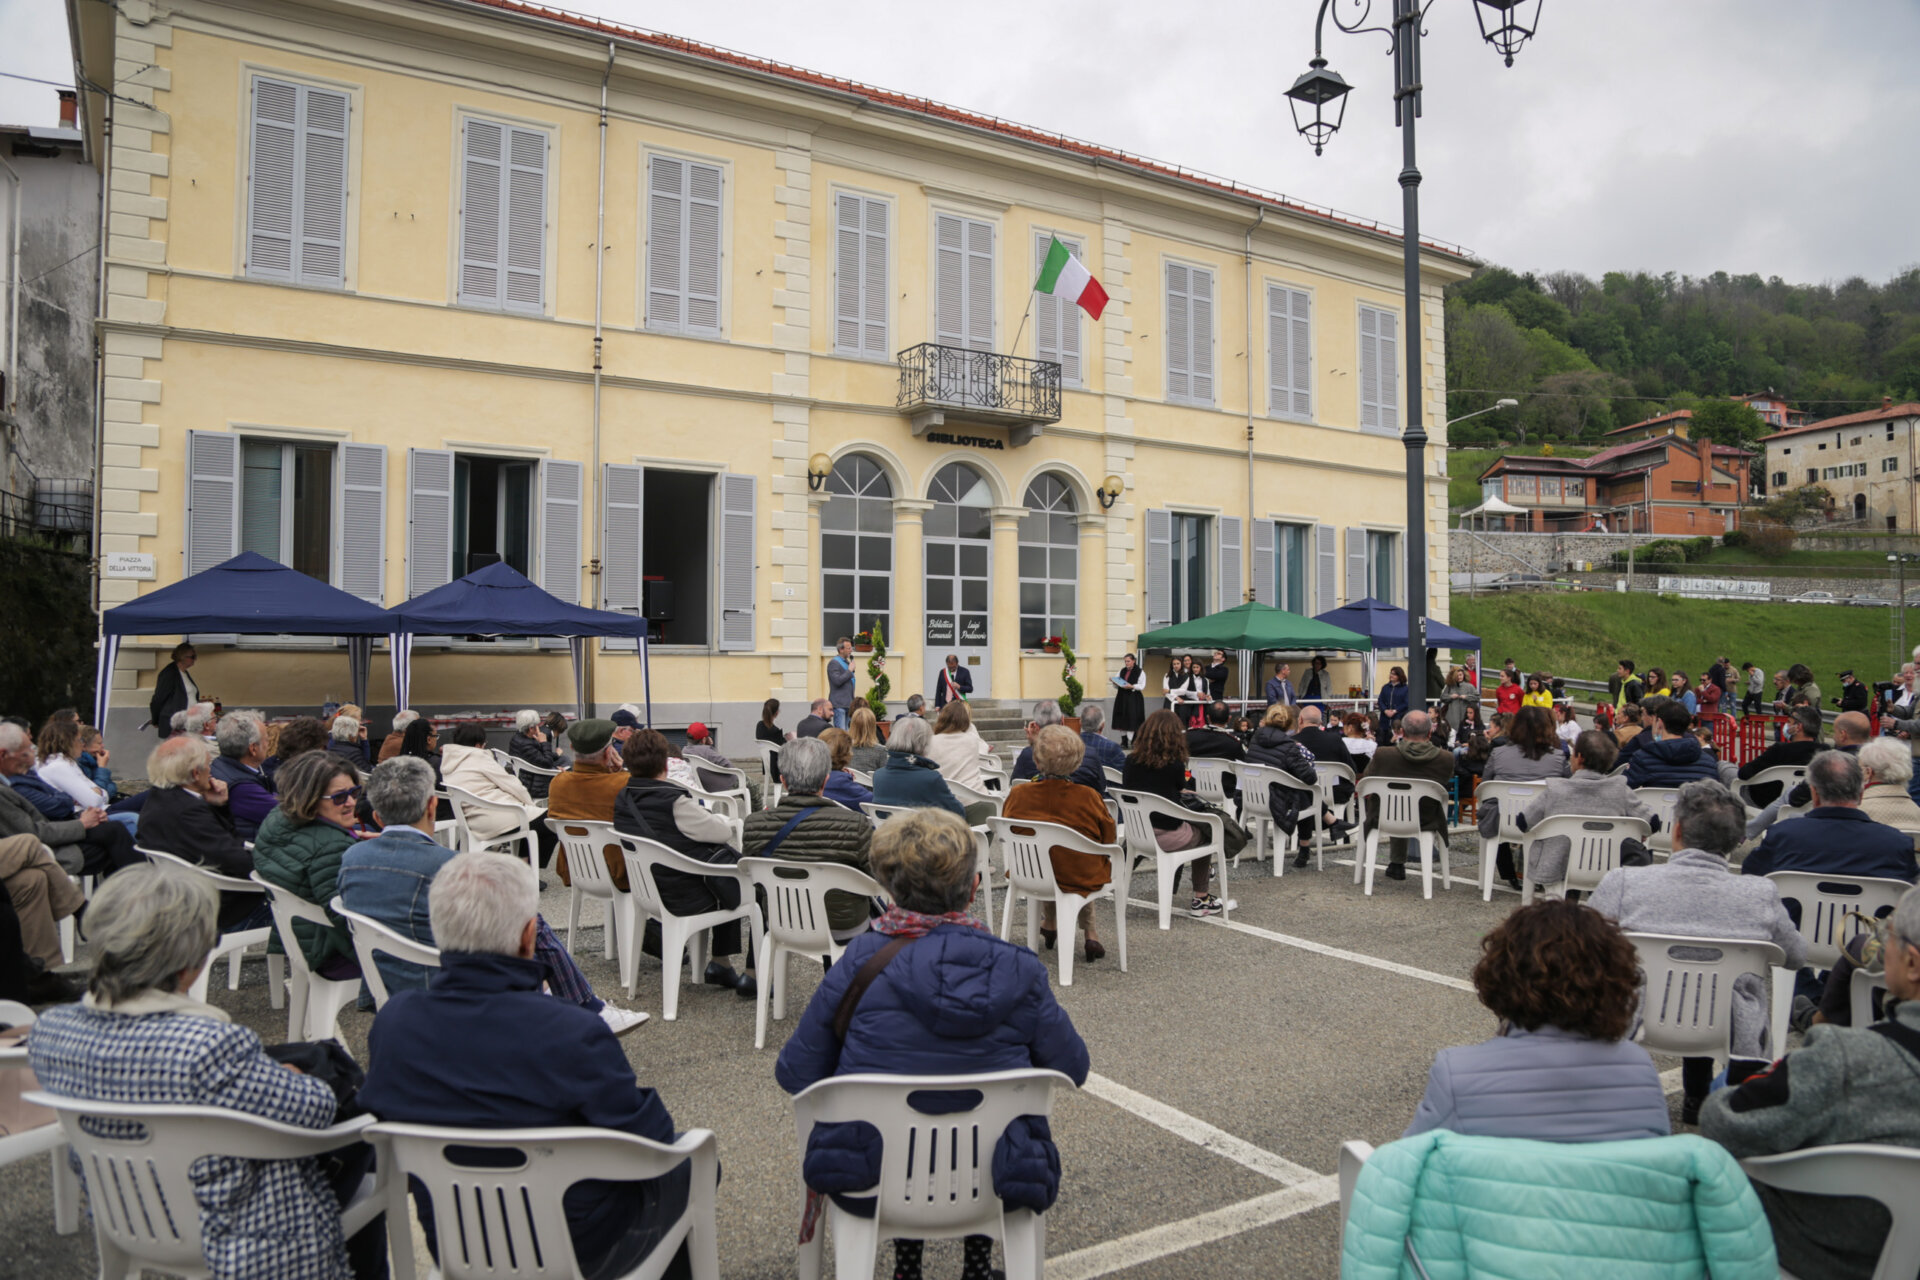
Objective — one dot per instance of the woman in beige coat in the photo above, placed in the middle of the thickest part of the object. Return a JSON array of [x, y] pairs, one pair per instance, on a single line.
[[1888, 766], [466, 763], [957, 746]]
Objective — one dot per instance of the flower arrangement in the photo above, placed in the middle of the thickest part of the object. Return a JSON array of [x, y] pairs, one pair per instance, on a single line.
[[863, 641], [1053, 644], [1070, 700], [877, 674]]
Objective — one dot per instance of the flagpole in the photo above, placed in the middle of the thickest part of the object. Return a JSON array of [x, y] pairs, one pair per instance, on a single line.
[[1015, 348]]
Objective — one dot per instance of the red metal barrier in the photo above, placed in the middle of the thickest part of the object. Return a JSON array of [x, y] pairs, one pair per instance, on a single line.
[[1756, 735], [1726, 733]]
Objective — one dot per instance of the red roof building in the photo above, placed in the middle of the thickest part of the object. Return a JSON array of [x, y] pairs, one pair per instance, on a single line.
[[1663, 484], [1867, 461]]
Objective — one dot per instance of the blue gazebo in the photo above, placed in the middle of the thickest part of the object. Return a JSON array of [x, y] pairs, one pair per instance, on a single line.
[[1386, 626]]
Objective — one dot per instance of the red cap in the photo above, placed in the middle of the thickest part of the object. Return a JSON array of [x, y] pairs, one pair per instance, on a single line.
[[696, 732]]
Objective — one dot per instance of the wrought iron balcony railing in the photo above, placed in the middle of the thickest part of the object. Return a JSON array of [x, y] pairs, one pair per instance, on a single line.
[[938, 382]]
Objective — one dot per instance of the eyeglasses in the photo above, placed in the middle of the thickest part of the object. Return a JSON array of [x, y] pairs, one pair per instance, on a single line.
[[350, 795]]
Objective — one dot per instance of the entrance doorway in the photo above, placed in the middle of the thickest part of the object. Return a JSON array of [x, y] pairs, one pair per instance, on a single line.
[[959, 579]]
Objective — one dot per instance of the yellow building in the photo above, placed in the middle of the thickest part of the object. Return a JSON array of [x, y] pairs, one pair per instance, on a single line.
[[391, 294]]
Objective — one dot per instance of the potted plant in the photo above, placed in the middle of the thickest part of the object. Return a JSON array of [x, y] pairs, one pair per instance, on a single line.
[[1070, 700], [863, 641], [1053, 644], [878, 684]]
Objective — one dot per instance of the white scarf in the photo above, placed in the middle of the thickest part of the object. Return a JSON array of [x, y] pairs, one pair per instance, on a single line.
[[154, 1000]]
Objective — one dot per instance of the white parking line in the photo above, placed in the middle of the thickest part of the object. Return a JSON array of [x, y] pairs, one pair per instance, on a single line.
[[1321, 948], [1206, 1228], [1198, 1131]]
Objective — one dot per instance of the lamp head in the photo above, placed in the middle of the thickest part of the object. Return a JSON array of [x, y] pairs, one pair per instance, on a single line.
[[1507, 24], [819, 467], [1110, 491], [1318, 90]]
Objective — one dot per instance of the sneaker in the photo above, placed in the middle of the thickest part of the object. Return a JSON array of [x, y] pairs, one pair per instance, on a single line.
[[1204, 905], [620, 1021]]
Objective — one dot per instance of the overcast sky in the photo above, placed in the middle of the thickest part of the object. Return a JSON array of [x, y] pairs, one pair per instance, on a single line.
[[1771, 136]]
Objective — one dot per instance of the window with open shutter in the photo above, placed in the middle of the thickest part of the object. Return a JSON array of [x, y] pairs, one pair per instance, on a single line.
[[429, 520], [683, 245], [621, 491], [1326, 569], [1356, 565], [1289, 352], [503, 216], [213, 499], [1189, 333], [1179, 334], [1263, 576], [1379, 361], [963, 282], [363, 521], [736, 561], [560, 499], [1230, 592], [1056, 320], [860, 276], [297, 183], [1159, 569]]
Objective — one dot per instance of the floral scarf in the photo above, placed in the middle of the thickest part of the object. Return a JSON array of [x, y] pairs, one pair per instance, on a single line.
[[902, 923]]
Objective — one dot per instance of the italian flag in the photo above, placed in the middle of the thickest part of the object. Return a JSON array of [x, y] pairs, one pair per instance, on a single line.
[[1065, 276]]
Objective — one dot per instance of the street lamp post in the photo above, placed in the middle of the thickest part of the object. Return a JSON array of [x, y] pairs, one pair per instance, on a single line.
[[1506, 25]]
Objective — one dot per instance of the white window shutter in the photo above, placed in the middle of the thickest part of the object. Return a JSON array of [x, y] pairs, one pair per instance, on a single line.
[[1387, 346], [213, 499], [1356, 565], [703, 248], [1159, 569], [736, 561], [980, 285], [525, 217], [560, 501], [1200, 318], [622, 491], [1300, 343], [873, 279], [1230, 591], [1326, 570], [950, 281], [1179, 334], [1369, 368], [363, 521], [322, 213], [1263, 562], [480, 188], [848, 261], [273, 155], [1289, 350], [666, 234], [429, 520]]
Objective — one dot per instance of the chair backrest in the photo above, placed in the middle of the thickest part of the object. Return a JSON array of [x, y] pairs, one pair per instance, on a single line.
[[1824, 902], [1594, 843], [936, 1171], [725, 803], [770, 790], [1114, 776], [645, 857], [287, 907], [138, 1164], [1787, 775], [1686, 1006], [1514, 797], [526, 768], [864, 779], [967, 796], [1399, 802], [507, 1218], [1890, 1175], [369, 937], [1327, 774], [796, 895], [507, 762], [990, 762], [1257, 780], [1137, 811], [1661, 800], [586, 864], [226, 884], [466, 805], [879, 813], [1210, 779], [1026, 851]]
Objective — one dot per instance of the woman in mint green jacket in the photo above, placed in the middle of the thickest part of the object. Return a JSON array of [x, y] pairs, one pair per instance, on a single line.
[[298, 848]]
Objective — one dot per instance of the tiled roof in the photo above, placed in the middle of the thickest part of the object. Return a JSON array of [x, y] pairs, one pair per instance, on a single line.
[[930, 109], [1676, 415], [1597, 463], [1911, 409]]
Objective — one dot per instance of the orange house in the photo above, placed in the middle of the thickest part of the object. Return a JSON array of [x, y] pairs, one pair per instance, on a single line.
[[1665, 485]]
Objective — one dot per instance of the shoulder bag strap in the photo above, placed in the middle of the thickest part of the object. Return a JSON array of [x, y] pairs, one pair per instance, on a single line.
[[843, 1016], [786, 831]]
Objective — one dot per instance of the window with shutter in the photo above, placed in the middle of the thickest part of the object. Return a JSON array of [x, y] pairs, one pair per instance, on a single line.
[[1159, 569], [1356, 565], [860, 276], [560, 499], [1230, 592], [683, 245], [963, 282], [1327, 569], [1379, 379], [1263, 577], [503, 216], [1179, 334], [429, 520], [297, 183], [1189, 333], [363, 521], [1056, 320], [213, 499], [736, 561], [1289, 352], [622, 491]]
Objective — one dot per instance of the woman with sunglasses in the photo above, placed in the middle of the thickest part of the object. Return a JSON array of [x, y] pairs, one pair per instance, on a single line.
[[298, 848]]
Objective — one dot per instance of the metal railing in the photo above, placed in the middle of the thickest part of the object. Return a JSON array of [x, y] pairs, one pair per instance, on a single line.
[[986, 382]]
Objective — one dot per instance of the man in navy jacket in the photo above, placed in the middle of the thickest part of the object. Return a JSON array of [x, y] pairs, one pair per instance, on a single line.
[[482, 1048], [1836, 837], [1674, 757]]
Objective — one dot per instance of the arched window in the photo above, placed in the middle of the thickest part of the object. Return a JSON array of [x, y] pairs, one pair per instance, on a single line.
[[1049, 563], [856, 550]]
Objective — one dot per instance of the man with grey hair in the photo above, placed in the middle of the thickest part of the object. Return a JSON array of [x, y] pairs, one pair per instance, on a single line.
[[530, 744], [1102, 750], [909, 780], [83, 840], [481, 1048], [807, 827], [916, 707], [390, 747], [1413, 756], [1047, 712], [242, 739], [1835, 837], [1692, 895], [1847, 1085]]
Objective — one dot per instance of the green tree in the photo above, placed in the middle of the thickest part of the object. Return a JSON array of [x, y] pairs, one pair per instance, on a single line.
[[1727, 422]]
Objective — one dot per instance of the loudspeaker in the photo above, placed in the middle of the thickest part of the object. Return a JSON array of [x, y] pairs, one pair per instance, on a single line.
[[657, 601]]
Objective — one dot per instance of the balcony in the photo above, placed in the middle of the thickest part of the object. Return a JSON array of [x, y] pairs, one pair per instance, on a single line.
[[940, 384]]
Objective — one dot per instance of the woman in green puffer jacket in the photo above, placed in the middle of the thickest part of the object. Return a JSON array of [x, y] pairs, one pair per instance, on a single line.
[[298, 848]]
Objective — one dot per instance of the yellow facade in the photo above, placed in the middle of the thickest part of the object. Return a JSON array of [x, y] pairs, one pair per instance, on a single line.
[[391, 353]]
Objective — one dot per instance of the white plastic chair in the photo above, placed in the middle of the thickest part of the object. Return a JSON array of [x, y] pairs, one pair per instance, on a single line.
[[466, 806], [498, 1222], [1513, 798], [1824, 903], [1860, 996], [1327, 775], [233, 944], [1661, 800], [1114, 776], [583, 840], [1026, 850], [1210, 781], [24, 1144], [1257, 782], [968, 797], [993, 773], [316, 1002], [1399, 817], [145, 1216], [446, 831], [369, 937], [1595, 849], [679, 935], [736, 782], [770, 788], [879, 813], [936, 1171], [795, 924], [864, 779], [1787, 775], [1890, 1175], [1353, 1155], [1137, 811], [504, 760], [1686, 1006], [727, 804]]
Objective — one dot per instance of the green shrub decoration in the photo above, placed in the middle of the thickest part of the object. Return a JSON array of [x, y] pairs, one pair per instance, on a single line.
[[1070, 700], [876, 673]]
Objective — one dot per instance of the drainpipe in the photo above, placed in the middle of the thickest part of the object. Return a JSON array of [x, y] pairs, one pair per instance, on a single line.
[[13, 292], [1247, 311], [100, 346], [599, 299]]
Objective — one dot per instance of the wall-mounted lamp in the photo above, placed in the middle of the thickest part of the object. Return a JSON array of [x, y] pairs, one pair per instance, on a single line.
[[819, 467], [1110, 490]]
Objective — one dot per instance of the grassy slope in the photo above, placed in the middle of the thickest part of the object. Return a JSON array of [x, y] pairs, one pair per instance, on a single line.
[[1465, 465], [1583, 635]]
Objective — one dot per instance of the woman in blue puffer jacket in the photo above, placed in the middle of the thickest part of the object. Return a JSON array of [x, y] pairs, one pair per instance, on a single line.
[[955, 1000]]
